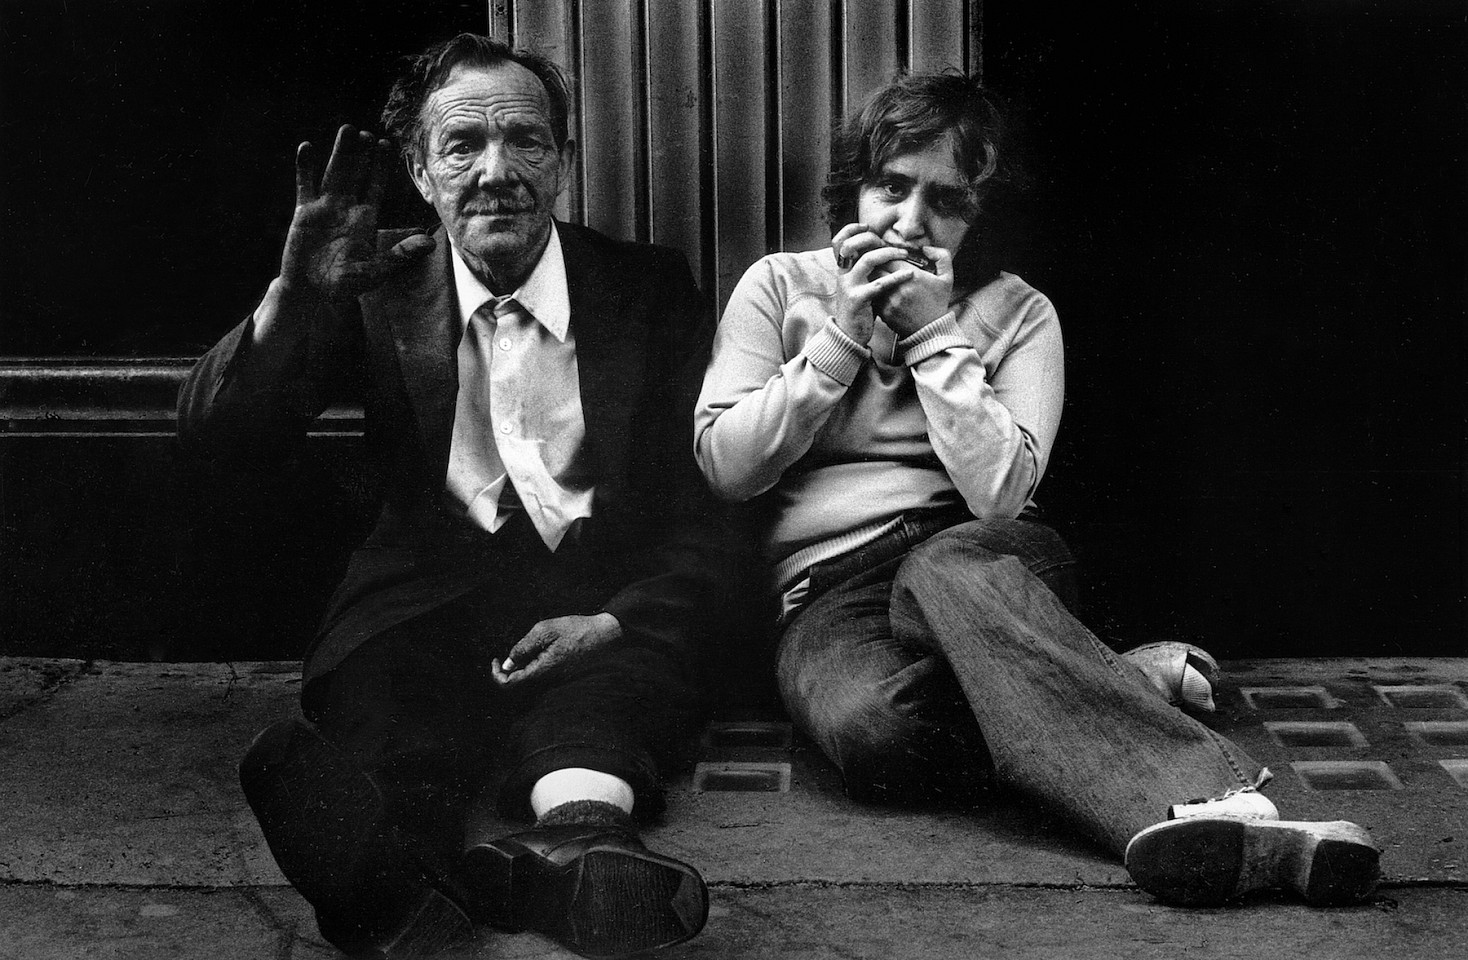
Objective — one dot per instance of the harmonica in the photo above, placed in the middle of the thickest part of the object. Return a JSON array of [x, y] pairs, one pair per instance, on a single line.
[[920, 261]]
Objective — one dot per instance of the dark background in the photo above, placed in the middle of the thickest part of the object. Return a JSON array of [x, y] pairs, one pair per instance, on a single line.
[[1250, 215], [148, 148]]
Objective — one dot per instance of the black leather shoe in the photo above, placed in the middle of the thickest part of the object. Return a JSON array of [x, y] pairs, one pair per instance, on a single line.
[[596, 890], [328, 829]]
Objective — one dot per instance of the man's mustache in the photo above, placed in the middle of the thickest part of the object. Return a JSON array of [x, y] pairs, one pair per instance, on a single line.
[[501, 204]]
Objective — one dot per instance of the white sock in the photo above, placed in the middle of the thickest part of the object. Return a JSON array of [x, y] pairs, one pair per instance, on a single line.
[[579, 783]]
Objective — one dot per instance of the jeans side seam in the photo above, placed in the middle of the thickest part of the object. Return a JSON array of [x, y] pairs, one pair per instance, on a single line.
[[1042, 567], [1110, 658], [1223, 744]]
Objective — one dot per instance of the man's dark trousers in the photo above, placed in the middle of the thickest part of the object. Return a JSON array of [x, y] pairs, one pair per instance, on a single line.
[[416, 708]]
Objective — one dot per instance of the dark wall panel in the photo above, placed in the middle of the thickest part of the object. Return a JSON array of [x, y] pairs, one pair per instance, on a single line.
[[1252, 219], [612, 71], [872, 50], [936, 38], [549, 27], [146, 155], [740, 127], [678, 165], [805, 120]]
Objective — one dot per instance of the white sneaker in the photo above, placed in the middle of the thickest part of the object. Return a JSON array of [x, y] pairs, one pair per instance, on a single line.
[[1185, 674], [1243, 803], [1207, 859]]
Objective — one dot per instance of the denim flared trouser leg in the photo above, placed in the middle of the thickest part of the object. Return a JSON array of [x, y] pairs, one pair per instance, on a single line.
[[875, 667]]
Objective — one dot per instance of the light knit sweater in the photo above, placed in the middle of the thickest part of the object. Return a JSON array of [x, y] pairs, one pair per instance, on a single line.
[[850, 437]]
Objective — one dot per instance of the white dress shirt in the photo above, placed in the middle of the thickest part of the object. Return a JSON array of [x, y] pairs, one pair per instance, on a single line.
[[526, 430]]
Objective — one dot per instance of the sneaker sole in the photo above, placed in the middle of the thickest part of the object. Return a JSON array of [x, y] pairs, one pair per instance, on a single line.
[[607, 903], [1206, 861]]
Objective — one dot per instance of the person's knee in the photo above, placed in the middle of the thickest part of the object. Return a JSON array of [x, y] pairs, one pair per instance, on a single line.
[[872, 742], [983, 550], [1034, 543], [888, 756], [869, 727], [954, 559]]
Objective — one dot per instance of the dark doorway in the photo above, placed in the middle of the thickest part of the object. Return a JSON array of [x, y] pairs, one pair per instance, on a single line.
[[1251, 217], [146, 177]]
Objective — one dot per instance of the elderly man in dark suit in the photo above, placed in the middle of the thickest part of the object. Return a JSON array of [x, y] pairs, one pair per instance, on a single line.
[[521, 622]]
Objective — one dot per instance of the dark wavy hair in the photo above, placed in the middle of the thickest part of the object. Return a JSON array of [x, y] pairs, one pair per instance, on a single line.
[[402, 116], [911, 113]]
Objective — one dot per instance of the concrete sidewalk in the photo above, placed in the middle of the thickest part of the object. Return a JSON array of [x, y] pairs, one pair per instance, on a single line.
[[123, 833]]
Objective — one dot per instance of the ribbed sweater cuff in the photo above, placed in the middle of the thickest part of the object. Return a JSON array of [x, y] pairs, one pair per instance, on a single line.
[[935, 337], [835, 354]]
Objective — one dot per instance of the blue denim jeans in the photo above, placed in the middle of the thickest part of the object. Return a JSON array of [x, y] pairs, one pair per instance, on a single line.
[[926, 657]]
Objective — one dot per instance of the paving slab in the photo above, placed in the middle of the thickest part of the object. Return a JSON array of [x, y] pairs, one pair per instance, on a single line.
[[1359, 721], [127, 776], [124, 773], [28, 680], [799, 921], [124, 833]]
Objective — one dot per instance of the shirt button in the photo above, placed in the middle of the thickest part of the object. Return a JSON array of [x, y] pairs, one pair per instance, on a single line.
[[505, 343], [505, 428]]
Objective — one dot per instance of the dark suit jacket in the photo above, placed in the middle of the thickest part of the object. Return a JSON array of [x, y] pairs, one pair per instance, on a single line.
[[654, 539]]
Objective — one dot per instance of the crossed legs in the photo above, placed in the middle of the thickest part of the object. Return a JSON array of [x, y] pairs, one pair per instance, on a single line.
[[960, 652], [873, 667]]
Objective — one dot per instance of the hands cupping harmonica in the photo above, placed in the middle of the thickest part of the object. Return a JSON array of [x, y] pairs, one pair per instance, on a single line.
[[920, 261], [913, 257]]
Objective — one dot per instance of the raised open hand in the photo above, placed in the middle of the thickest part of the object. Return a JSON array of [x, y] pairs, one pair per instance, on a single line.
[[331, 249]]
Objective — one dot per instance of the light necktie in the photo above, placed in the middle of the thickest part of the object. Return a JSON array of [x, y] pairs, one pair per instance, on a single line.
[[520, 443], [524, 418], [476, 473]]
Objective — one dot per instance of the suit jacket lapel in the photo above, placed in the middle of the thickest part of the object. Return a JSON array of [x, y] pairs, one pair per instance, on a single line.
[[610, 353], [420, 309]]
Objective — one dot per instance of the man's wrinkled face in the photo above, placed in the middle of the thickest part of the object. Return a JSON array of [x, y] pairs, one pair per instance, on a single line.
[[490, 167]]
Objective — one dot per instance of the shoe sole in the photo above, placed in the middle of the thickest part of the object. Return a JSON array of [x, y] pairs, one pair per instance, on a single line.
[[607, 903], [1207, 861]]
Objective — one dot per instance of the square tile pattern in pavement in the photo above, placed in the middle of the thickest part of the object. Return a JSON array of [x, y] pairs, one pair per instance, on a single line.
[[1381, 742], [121, 776]]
